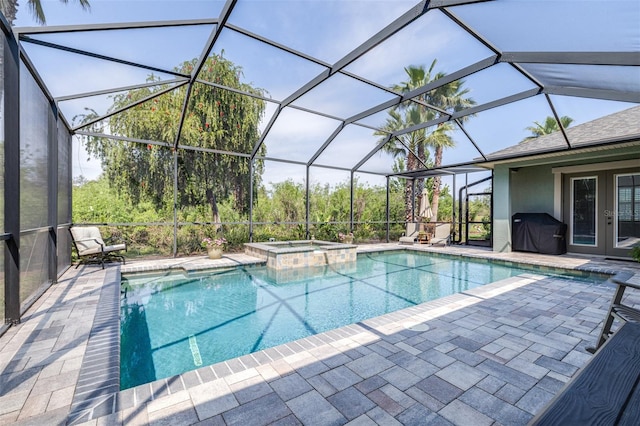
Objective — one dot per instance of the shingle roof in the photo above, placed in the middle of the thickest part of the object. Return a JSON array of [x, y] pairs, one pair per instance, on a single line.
[[623, 125]]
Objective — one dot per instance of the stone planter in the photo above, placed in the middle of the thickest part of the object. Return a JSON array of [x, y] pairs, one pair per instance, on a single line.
[[215, 252]]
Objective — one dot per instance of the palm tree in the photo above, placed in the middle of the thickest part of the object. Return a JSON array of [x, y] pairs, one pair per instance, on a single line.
[[407, 152], [550, 126], [9, 9], [450, 97], [438, 140]]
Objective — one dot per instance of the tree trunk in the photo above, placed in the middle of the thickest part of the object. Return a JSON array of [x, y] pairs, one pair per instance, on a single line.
[[420, 182], [407, 200], [436, 184], [408, 193], [211, 199]]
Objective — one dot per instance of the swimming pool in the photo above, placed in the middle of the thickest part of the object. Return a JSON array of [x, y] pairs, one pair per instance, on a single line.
[[172, 323]]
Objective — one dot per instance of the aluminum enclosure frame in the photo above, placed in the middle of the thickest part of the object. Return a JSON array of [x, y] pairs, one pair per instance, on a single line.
[[15, 39]]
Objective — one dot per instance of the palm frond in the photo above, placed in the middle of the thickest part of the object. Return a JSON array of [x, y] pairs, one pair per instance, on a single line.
[[35, 7]]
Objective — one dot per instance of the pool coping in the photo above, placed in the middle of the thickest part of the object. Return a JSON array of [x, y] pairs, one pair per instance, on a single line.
[[283, 247], [98, 394], [99, 378]]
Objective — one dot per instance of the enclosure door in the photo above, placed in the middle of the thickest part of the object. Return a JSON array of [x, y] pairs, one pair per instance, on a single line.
[[602, 211]]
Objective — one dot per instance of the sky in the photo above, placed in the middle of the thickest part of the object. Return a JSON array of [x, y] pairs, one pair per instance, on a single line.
[[329, 30]]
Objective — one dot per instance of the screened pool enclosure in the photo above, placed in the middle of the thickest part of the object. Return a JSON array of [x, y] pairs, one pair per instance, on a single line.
[[288, 119]]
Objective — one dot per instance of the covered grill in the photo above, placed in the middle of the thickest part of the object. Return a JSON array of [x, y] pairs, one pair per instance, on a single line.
[[538, 233]]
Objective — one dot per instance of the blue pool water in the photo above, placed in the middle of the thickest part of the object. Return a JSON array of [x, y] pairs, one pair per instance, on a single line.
[[172, 323]]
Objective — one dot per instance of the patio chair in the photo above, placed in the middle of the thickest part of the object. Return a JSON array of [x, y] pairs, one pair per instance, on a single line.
[[91, 248], [442, 234], [411, 235], [618, 310]]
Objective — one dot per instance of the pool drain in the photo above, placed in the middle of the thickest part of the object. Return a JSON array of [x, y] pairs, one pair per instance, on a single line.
[[416, 327]]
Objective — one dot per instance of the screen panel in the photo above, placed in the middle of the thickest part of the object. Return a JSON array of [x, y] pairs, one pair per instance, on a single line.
[[563, 26], [35, 119], [64, 198], [2, 202]]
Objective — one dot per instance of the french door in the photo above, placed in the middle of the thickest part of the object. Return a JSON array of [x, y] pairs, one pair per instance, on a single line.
[[602, 211]]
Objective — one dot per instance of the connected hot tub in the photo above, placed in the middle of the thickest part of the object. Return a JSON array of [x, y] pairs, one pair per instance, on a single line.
[[301, 254]]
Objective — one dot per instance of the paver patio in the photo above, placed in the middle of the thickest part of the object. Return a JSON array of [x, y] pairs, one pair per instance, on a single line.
[[490, 355]]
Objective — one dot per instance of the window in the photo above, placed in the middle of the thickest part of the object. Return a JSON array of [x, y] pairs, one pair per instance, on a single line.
[[627, 210], [584, 211]]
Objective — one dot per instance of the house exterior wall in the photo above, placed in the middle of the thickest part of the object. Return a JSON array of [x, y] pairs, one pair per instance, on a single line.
[[527, 186], [532, 190], [501, 210], [519, 190]]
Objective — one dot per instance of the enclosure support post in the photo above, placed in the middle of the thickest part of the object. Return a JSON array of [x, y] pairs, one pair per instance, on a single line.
[[52, 195], [175, 202], [308, 206], [251, 200], [388, 214], [11, 64], [460, 214], [351, 205], [453, 211], [466, 208]]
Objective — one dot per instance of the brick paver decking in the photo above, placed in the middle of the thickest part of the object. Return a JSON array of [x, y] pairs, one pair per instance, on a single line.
[[490, 355]]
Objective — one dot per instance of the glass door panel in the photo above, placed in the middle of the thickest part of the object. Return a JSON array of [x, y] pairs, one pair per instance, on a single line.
[[584, 201], [627, 210]]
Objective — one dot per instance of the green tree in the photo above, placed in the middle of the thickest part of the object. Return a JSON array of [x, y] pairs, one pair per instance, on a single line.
[[450, 97], [94, 201], [445, 210], [549, 126], [410, 152], [9, 9], [288, 202], [215, 119]]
